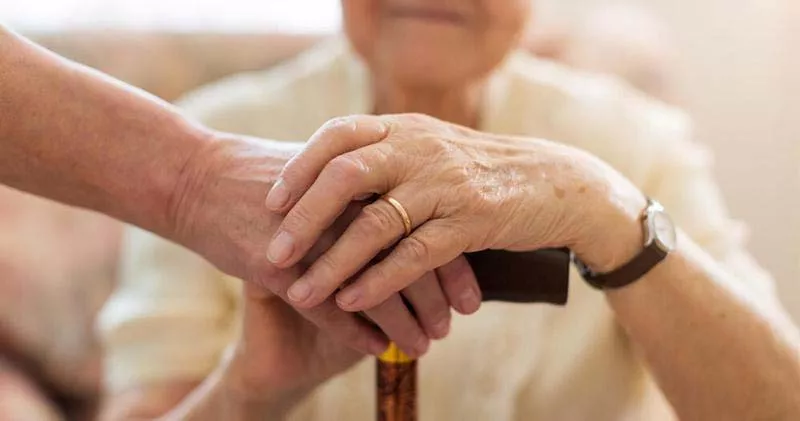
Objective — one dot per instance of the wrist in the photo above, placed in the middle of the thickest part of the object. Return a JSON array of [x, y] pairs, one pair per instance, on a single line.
[[254, 399], [613, 233], [223, 395], [141, 188], [169, 179], [217, 206]]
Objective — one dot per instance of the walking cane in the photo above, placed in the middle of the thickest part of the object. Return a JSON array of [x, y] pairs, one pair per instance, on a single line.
[[396, 385], [525, 277]]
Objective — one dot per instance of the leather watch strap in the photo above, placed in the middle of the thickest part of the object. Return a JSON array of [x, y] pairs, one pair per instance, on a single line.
[[628, 273]]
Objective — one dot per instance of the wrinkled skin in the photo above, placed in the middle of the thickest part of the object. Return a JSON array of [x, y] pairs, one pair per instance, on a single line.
[[464, 190], [246, 170]]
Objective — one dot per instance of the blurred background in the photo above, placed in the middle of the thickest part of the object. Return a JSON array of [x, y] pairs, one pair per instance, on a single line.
[[734, 66]]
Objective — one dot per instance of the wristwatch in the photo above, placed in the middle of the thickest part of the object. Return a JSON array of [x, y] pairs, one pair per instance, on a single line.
[[660, 239]]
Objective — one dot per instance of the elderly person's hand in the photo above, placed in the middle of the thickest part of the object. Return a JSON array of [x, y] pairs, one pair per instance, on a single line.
[[233, 169], [463, 190], [282, 352], [133, 157], [466, 191]]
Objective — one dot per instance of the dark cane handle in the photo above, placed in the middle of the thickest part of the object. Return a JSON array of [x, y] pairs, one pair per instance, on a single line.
[[540, 276]]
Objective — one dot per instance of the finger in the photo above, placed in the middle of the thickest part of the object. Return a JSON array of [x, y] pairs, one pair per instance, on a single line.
[[346, 327], [255, 292], [334, 138], [460, 285], [377, 227], [396, 321], [430, 246], [343, 179], [430, 305]]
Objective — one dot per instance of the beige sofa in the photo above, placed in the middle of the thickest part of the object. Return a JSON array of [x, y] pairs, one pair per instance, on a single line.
[[169, 65]]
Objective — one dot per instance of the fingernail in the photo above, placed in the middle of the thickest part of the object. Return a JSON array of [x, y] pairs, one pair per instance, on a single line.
[[442, 328], [469, 300], [278, 196], [299, 291], [348, 298], [281, 248]]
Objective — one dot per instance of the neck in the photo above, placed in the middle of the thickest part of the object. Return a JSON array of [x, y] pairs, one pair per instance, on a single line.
[[459, 105]]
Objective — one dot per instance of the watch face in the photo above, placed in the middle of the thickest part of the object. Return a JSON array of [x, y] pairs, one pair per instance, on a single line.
[[664, 230]]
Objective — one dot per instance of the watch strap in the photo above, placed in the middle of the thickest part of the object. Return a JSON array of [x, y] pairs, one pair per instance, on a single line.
[[629, 273]]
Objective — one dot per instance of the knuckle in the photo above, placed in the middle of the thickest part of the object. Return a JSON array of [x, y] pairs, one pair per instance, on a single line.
[[326, 267], [459, 235], [378, 292], [298, 219], [341, 126], [338, 125], [380, 271], [363, 229], [348, 168], [378, 157], [295, 174], [482, 203], [376, 218], [381, 154], [413, 249]]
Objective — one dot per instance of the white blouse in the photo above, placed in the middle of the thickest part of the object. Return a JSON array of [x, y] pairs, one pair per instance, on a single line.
[[173, 315]]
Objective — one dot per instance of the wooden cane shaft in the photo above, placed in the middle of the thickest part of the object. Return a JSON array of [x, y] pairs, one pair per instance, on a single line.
[[397, 386]]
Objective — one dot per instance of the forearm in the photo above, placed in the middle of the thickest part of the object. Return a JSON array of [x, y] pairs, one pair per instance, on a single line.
[[222, 396], [715, 351], [73, 135], [215, 398]]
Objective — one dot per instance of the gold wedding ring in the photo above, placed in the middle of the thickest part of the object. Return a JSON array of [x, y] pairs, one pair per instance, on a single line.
[[400, 210]]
